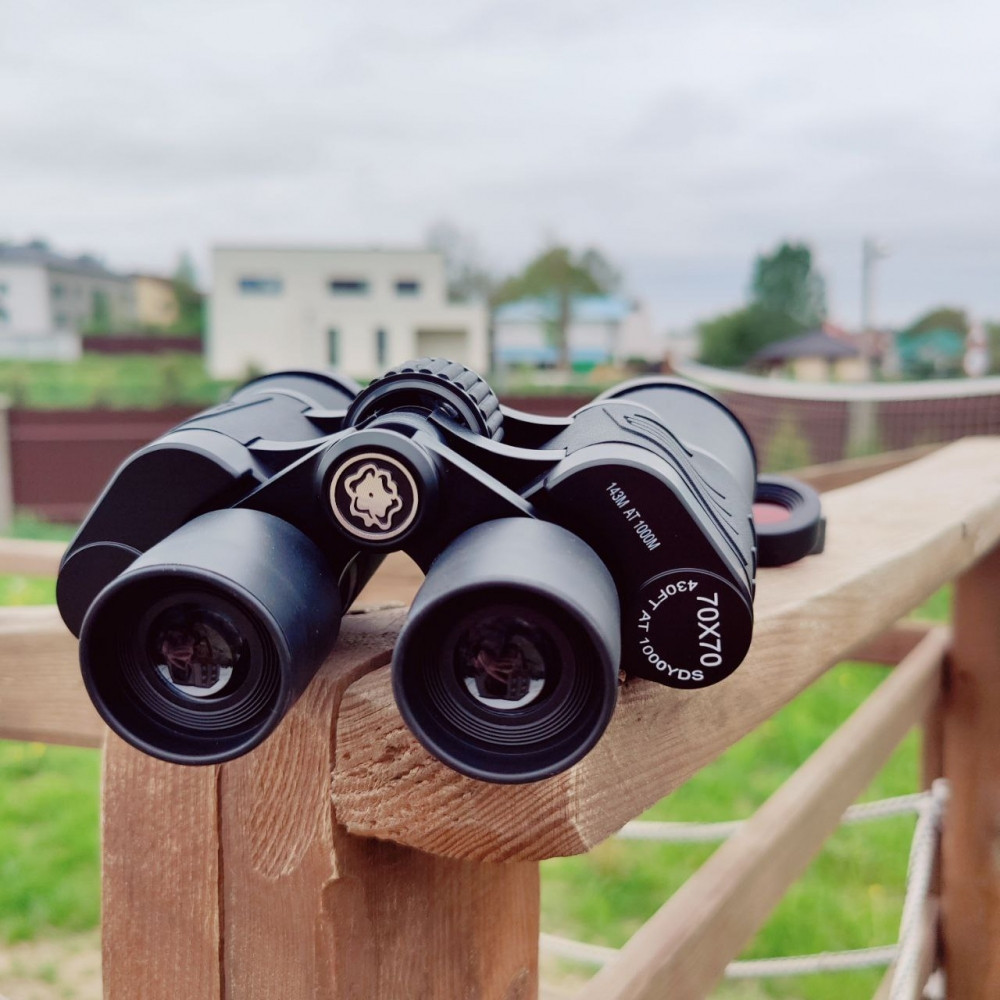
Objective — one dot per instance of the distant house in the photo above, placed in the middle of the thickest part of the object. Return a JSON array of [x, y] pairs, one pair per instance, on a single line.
[[602, 329], [934, 353], [360, 311], [47, 299], [822, 355], [156, 304]]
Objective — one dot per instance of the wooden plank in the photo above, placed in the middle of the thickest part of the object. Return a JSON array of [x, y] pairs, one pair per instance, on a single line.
[[890, 646], [397, 579], [160, 921], [970, 855], [891, 542], [682, 950], [310, 911], [42, 696], [837, 475], [30, 557]]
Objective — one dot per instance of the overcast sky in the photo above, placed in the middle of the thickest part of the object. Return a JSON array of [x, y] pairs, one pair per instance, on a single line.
[[680, 137]]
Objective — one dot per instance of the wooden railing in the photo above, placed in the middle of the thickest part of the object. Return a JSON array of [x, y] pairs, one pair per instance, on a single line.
[[340, 860]]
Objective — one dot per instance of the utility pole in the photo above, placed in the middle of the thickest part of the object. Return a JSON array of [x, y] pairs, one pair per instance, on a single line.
[[871, 251]]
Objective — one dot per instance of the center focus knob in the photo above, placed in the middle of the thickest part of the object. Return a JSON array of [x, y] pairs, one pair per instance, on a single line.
[[431, 385]]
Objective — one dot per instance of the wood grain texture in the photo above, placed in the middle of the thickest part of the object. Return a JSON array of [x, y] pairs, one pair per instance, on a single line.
[[312, 912], [890, 646], [682, 950], [42, 696], [30, 557], [160, 922], [836, 475], [397, 579], [971, 749], [891, 541]]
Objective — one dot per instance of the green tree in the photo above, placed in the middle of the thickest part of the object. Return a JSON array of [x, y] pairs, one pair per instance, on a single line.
[[558, 274], [785, 281], [993, 346], [731, 340], [100, 312], [190, 301], [941, 318]]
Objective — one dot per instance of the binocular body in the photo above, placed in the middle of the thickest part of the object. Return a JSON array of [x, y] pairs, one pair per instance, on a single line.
[[208, 583]]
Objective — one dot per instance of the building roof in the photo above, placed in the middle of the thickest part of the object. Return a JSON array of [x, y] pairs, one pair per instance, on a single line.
[[813, 344], [39, 253], [584, 309]]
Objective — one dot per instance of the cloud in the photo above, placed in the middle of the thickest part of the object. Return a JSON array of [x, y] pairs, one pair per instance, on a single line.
[[683, 138]]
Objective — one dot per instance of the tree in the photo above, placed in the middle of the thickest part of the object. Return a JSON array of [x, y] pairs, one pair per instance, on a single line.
[[941, 318], [993, 346], [786, 281], [731, 340], [467, 277], [190, 301], [558, 274]]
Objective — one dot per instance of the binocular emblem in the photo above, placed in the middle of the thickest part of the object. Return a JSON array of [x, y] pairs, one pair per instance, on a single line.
[[373, 496]]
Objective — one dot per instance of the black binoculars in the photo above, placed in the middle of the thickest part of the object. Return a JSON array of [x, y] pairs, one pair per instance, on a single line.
[[208, 582]]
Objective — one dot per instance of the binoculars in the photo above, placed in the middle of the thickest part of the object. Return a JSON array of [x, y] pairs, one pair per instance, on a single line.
[[208, 582]]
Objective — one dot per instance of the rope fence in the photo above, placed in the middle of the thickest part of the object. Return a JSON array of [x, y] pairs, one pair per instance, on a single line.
[[708, 833], [929, 807]]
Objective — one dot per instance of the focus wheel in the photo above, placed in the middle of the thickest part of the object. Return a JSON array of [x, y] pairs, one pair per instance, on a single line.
[[431, 385]]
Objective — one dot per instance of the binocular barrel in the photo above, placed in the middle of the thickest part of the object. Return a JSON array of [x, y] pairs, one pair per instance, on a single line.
[[196, 651], [207, 585], [507, 666]]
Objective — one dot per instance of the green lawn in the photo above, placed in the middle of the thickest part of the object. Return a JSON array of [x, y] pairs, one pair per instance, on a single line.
[[850, 897], [114, 381]]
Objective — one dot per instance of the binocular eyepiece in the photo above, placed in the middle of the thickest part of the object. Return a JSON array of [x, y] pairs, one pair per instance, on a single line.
[[208, 582]]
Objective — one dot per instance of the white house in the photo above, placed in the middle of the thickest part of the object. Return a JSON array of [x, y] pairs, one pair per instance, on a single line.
[[602, 329], [359, 311], [47, 298]]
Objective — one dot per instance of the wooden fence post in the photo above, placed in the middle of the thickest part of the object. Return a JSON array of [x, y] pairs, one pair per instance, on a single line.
[[241, 877], [971, 839]]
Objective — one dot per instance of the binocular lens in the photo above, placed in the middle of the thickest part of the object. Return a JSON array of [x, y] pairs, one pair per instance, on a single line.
[[503, 658], [507, 668], [196, 652]]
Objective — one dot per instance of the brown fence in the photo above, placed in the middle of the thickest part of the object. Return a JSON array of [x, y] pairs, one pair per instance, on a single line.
[[62, 458], [140, 343]]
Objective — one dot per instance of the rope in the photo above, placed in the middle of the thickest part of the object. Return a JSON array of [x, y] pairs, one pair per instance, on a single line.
[[825, 961], [923, 854], [930, 807], [706, 833], [760, 968]]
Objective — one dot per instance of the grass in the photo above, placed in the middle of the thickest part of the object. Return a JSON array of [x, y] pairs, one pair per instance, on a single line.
[[112, 381], [850, 896]]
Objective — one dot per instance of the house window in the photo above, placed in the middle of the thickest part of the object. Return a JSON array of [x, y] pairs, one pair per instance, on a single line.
[[407, 286], [261, 286], [58, 291], [381, 346], [349, 286], [333, 347]]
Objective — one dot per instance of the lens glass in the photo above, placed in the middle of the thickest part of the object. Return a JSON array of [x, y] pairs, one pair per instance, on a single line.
[[196, 651], [503, 660]]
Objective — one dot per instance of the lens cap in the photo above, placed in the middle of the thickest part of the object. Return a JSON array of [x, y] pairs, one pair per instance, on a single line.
[[788, 520]]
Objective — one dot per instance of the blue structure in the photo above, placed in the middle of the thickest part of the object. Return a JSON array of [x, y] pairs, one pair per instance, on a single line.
[[525, 331]]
